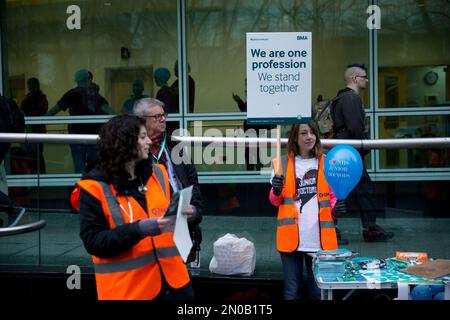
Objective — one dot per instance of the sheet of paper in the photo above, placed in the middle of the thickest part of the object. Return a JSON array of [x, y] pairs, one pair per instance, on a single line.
[[181, 235], [430, 269]]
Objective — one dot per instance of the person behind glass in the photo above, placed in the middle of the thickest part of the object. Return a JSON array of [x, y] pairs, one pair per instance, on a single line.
[[123, 200], [35, 104], [181, 175], [165, 93], [83, 100], [350, 123], [305, 201], [191, 87], [138, 93]]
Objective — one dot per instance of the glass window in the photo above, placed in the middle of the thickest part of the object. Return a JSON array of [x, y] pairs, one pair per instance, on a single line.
[[217, 43], [413, 54], [96, 60], [416, 126], [229, 157], [238, 199], [108, 50], [50, 158]]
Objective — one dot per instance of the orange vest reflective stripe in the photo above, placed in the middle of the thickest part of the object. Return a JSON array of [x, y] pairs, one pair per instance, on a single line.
[[136, 274], [287, 220]]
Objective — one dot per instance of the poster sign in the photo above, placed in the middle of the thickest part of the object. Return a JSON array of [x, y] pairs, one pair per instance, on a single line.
[[279, 77]]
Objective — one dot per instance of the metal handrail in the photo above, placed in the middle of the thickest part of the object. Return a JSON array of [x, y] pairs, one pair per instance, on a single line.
[[407, 143], [24, 228]]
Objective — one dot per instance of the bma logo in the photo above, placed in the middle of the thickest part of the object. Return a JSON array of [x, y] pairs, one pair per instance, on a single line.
[[157, 211], [302, 37]]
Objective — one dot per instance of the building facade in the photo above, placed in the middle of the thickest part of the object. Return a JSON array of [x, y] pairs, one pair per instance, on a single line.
[[404, 45]]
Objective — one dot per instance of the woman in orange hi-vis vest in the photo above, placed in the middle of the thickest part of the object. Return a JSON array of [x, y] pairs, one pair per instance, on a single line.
[[123, 201], [305, 201]]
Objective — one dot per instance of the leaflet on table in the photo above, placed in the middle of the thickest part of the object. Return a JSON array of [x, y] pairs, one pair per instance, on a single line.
[[339, 254]]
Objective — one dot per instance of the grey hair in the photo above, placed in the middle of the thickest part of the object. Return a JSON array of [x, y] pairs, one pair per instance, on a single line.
[[351, 72], [141, 105]]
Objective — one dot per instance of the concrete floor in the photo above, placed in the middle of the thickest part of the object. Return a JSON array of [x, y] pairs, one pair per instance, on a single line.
[[58, 244]]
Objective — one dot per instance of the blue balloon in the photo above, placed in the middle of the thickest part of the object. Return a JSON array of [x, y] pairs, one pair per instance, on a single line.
[[343, 169], [421, 292]]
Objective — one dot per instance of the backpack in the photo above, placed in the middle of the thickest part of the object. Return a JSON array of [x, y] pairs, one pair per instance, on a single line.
[[323, 117], [15, 122]]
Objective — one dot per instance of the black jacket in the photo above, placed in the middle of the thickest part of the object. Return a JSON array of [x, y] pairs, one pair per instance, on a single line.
[[98, 238], [349, 116], [187, 175], [11, 120], [4, 127]]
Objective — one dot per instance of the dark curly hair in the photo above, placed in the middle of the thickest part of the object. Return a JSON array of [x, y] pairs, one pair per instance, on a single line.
[[118, 143]]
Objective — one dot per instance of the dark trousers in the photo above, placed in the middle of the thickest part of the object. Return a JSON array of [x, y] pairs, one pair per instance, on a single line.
[[82, 154], [34, 155], [361, 201], [40, 155], [6, 203], [293, 276]]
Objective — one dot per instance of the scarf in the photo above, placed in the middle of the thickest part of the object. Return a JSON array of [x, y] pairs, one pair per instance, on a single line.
[[155, 149]]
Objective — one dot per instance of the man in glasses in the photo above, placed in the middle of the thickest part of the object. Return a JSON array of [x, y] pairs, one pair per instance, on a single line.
[[181, 175], [349, 123]]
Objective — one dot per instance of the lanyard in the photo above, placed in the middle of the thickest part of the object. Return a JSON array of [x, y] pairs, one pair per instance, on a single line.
[[130, 213], [163, 146], [172, 175]]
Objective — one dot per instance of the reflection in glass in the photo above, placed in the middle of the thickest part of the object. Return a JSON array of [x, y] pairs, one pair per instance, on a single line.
[[414, 127], [228, 157], [413, 54], [217, 43], [413, 87], [118, 43]]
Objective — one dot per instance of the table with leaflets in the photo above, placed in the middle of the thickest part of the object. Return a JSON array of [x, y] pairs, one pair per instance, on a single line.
[[335, 274]]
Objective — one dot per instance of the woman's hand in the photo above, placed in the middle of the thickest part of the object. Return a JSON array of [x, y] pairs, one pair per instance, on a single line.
[[277, 184], [164, 223], [155, 226]]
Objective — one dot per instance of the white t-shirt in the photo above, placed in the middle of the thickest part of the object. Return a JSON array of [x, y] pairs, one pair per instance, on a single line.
[[307, 205], [308, 208]]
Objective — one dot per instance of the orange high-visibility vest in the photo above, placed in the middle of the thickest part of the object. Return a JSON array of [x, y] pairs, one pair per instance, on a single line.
[[74, 199], [287, 220], [136, 274]]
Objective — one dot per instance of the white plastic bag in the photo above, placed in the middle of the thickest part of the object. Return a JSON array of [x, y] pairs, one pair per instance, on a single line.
[[233, 256]]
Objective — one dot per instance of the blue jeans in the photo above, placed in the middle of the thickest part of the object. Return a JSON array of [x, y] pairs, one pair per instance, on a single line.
[[293, 276], [81, 155]]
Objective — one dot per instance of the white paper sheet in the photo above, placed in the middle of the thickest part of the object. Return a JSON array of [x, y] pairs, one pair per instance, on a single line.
[[181, 235]]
